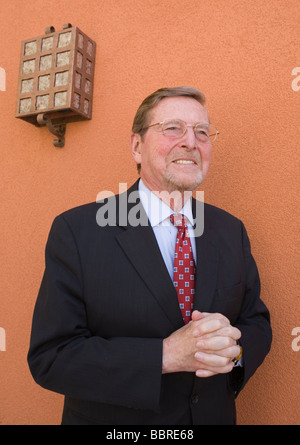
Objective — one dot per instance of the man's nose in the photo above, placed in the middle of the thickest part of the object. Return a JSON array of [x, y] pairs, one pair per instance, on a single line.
[[189, 140]]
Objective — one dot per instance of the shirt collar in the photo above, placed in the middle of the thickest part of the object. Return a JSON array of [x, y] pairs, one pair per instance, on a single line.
[[159, 212]]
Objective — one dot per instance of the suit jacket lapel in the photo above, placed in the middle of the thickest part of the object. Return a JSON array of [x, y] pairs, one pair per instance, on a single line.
[[207, 263], [141, 248]]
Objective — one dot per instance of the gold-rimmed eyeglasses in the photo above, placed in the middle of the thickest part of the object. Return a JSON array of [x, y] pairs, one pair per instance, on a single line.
[[176, 128]]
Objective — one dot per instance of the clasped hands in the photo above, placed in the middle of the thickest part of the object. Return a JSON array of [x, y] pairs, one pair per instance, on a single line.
[[205, 346]]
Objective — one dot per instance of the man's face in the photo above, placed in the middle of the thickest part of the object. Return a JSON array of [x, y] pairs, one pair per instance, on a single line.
[[173, 164]]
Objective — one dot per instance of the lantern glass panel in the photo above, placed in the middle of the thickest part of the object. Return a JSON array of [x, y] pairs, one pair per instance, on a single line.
[[42, 102], [88, 67], [79, 60], [44, 82], [61, 79], [63, 59], [47, 44], [76, 100], [80, 41], [27, 86], [30, 48], [89, 49], [28, 66], [87, 86], [60, 99], [64, 39], [78, 78], [45, 63], [25, 105]]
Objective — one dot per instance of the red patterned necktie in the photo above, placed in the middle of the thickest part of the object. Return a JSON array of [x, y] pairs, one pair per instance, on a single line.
[[184, 267]]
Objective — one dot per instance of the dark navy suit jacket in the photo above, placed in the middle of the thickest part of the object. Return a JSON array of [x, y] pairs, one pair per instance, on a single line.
[[106, 303]]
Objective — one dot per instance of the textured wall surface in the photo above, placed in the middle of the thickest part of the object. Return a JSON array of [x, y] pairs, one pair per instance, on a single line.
[[242, 55]]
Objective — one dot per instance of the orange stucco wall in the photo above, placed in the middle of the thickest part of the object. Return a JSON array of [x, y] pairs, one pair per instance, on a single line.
[[244, 55]]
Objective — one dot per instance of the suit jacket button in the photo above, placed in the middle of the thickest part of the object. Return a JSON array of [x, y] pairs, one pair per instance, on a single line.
[[195, 399]]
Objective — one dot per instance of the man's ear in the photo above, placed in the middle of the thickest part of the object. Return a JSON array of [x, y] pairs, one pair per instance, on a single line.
[[136, 146]]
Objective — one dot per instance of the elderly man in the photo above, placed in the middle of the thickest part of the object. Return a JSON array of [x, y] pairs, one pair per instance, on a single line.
[[152, 321]]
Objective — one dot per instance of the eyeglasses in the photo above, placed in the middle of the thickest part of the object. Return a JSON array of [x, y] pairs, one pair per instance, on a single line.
[[176, 128]]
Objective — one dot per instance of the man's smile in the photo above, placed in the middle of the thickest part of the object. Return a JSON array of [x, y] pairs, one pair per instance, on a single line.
[[184, 161]]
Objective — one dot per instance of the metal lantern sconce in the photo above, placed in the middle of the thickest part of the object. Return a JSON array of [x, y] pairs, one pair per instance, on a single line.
[[56, 79]]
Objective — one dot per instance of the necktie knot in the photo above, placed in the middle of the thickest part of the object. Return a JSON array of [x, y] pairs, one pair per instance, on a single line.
[[178, 220]]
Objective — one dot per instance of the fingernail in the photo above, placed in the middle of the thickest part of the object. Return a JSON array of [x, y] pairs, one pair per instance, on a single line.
[[198, 355]]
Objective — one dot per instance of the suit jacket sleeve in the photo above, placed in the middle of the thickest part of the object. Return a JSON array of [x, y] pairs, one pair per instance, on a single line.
[[66, 357], [253, 322]]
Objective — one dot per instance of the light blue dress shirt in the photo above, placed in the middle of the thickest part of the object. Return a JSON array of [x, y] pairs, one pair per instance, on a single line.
[[165, 232]]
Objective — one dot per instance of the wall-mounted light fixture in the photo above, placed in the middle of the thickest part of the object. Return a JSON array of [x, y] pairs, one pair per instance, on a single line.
[[56, 79]]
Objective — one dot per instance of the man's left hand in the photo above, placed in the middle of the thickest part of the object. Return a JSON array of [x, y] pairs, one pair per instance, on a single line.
[[217, 343]]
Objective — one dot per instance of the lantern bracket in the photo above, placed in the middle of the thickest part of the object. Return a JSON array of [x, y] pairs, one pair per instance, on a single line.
[[57, 127]]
